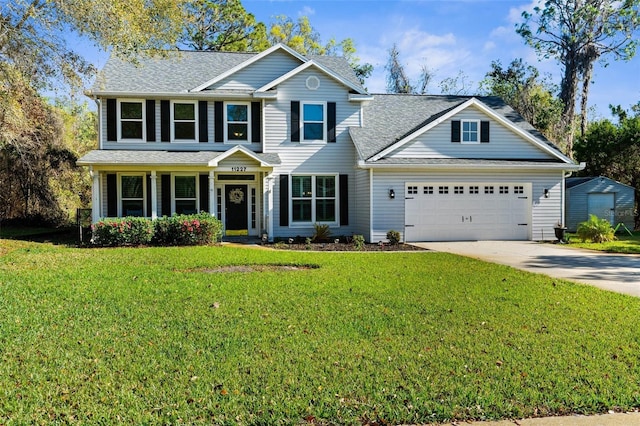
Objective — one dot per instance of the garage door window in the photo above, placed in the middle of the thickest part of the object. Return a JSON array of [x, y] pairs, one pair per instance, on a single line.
[[518, 189], [443, 190], [474, 190], [427, 190], [458, 189], [412, 190], [488, 189]]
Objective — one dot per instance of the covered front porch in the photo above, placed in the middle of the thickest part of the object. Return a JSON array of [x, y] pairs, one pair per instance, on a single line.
[[236, 186]]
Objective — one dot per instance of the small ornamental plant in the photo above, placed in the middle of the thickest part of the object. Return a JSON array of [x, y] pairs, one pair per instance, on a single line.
[[596, 229], [393, 237]]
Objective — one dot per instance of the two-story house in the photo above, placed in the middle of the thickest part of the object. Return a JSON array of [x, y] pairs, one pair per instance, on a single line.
[[275, 142]]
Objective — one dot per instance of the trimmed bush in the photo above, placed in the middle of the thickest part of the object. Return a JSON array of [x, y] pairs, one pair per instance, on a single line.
[[358, 242], [126, 231], [393, 237], [186, 230], [321, 233], [595, 229], [179, 230]]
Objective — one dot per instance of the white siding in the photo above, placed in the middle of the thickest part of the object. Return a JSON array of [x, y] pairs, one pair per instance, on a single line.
[[503, 142], [311, 158], [389, 213], [260, 73]]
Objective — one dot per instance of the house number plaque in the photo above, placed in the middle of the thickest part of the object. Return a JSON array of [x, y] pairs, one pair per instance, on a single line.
[[239, 168]]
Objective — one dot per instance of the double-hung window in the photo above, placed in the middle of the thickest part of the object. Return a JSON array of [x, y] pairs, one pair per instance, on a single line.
[[131, 115], [313, 199], [185, 194], [237, 117], [470, 131], [314, 125], [132, 190], [184, 121]]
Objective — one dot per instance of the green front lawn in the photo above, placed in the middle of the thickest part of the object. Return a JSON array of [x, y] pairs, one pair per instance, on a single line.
[[624, 243], [165, 335]]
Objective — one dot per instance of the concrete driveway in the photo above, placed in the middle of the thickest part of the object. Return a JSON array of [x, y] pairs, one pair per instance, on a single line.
[[615, 272]]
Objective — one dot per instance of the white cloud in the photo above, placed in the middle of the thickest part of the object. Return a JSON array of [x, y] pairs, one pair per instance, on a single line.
[[307, 11]]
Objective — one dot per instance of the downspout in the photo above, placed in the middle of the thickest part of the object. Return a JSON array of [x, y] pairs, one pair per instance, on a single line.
[[371, 205], [565, 175], [99, 103]]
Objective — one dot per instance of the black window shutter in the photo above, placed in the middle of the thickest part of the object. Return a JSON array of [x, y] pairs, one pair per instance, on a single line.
[[204, 193], [203, 121], [151, 120], [165, 121], [455, 131], [284, 200], [149, 189], [484, 131], [112, 195], [331, 121], [112, 125], [165, 196], [218, 112], [295, 121], [344, 200], [256, 122]]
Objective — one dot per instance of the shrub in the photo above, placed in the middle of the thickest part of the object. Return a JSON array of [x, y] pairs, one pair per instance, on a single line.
[[321, 233], [358, 242], [393, 237], [194, 229], [182, 230], [126, 231], [595, 229]]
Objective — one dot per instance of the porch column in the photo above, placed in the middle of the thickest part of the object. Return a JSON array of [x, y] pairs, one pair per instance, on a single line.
[[268, 191], [212, 195], [95, 195], [154, 194]]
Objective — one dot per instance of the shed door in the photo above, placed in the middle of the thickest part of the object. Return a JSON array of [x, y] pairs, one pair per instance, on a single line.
[[437, 211], [601, 205]]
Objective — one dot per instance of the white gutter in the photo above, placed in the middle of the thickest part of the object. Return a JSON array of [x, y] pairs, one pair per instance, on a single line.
[[172, 95], [541, 166]]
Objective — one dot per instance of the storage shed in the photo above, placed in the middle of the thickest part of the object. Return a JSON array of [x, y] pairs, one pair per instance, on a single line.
[[604, 197]]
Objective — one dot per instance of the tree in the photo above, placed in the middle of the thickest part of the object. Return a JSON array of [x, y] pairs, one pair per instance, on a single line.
[[222, 25], [35, 55], [303, 38], [458, 85], [397, 79], [521, 86], [613, 149], [577, 33]]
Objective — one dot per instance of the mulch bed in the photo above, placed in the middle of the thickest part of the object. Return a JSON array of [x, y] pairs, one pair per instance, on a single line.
[[343, 247]]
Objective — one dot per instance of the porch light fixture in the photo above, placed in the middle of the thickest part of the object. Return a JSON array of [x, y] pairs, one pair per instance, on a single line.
[[392, 193], [546, 193]]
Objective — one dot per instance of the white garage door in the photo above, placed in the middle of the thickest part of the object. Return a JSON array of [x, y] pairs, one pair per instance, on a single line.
[[437, 211]]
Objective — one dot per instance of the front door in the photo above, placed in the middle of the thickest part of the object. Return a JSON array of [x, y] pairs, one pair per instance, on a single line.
[[236, 222]]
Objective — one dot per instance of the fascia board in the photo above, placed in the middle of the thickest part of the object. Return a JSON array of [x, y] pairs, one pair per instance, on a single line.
[[216, 161], [466, 166]]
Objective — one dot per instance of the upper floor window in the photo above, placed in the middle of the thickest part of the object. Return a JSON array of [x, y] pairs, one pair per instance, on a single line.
[[470, 131], [131, 120], [237, 127], [184, 121], [313, 122]]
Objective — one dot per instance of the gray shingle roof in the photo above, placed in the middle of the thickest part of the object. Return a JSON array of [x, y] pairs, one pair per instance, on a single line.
[[391, 117], [575, 181], [158, 158], [473, 162], [181, 71]]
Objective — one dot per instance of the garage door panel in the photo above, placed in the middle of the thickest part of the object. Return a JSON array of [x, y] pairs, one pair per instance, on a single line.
[[458, 211]]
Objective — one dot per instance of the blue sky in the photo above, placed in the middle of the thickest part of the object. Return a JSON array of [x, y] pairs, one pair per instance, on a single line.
[[447, 36]]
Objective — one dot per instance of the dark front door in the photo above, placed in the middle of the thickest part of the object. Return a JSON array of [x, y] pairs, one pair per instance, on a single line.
[[236, 210]]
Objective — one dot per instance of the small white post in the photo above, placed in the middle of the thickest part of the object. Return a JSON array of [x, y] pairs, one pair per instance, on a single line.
[[154, 194], [95, 195]]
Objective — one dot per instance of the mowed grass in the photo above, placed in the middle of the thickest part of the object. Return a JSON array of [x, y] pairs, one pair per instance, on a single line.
[[624, 243], [157, 335]]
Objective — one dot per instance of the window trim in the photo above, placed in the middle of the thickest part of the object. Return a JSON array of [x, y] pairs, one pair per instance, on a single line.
[[477, 132], [226, 123], [173, 191], [173, 121], [142, 121], [143, 175], [324, 122], [313, 199]]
